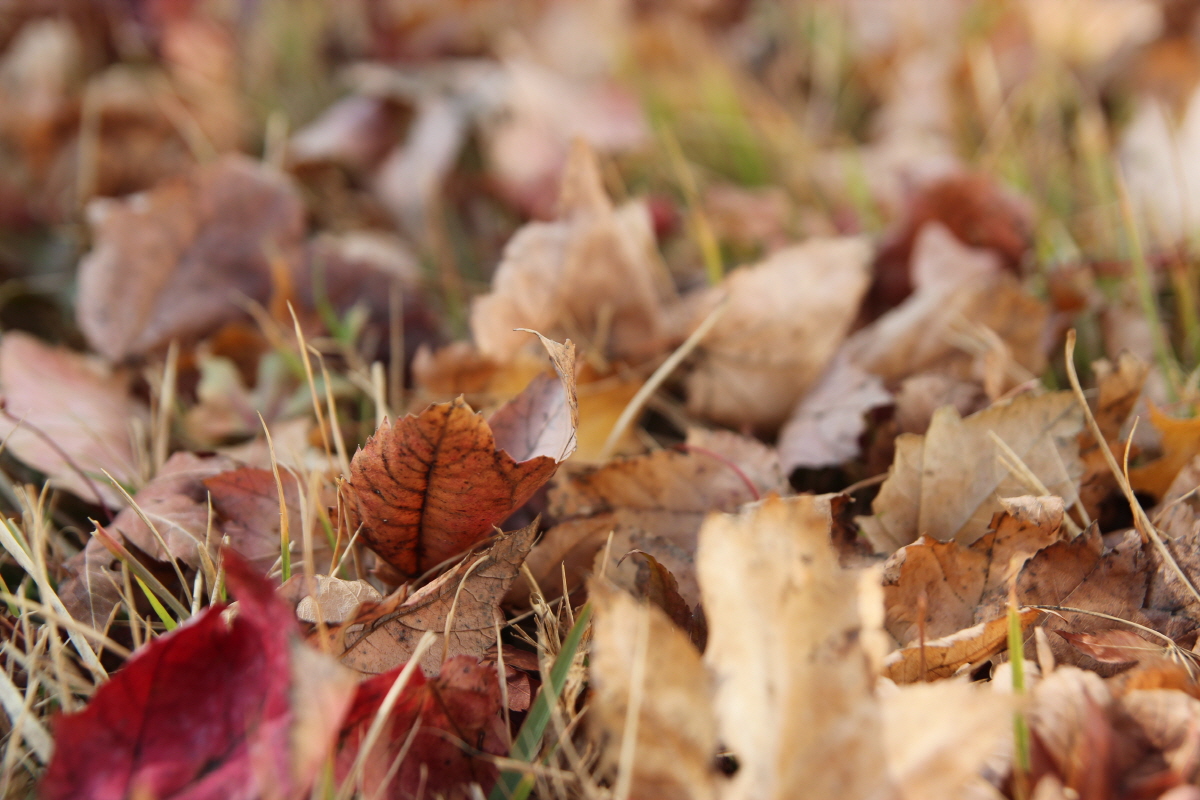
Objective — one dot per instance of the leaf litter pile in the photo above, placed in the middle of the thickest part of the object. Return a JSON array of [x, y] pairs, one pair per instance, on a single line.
[[656, 399]]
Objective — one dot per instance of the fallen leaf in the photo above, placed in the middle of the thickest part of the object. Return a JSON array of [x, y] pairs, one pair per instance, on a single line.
[[824, 428], [434, 484], [945, 656], [565, 278], [444, 727], [948, 483], [784, 319], [794, 697], [1086, 575], [171, 264], [653, 503], [1180, 444], [245, 507], [643, 665], [84, 408], [963, 304], [335, 600], [960, 584], [1071, 718], [471, 591], [937, 736], [1168, 720], [144, 734], [974, 208]]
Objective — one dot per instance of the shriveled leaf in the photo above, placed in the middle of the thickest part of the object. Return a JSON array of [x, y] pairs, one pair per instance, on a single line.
[[1071, 716], [173, 262], [794, 695], [1084, 574], [207, 711], [945, 656], [84, 408], [1115, 646], [824, 428], [542, 420], [637, 652], [335, 600], [948, 483], [445, 727], [954, 283], [964, 585], [564, 278], [784, 319], [653, 503], [472, 591]]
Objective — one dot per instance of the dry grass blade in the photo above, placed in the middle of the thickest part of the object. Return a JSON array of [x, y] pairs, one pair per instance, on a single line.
[[1144, 526]]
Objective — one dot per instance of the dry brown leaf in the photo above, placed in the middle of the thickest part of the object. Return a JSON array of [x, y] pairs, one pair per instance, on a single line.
[[84, 408], [959, 582], [1179, 522], [653, 503], [962, 300], [1181, 443], [591, 275], [643, 665], [1071, 718], [794, 693], [434, 484], [944, 657], [948, 483], [1083, 574], [174, 262], [471, 591], [823, 430], [784, 319]]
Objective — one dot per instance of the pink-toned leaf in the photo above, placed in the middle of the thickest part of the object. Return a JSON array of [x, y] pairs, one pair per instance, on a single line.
[[81, 406]]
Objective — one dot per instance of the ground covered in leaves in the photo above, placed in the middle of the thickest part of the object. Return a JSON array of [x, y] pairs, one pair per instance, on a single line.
[[698, 399]]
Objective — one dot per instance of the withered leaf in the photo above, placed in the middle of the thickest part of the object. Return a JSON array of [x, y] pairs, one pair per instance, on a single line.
[[676, 729], [81, 406], [946, 656], [435, 484], [794, 694], [171, 263], [948, 483], [653, 503], [784, 319], [472, 590], [1115, 646], [964, 585], [591, 272]]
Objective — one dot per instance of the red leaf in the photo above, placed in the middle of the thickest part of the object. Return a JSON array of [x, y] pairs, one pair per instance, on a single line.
[[458, 713], [203, 712]]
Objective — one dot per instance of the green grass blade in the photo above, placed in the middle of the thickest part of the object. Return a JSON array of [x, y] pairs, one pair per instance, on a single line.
[[517, 785]]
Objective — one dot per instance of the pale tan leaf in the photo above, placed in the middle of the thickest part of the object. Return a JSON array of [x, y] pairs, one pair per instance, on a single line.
[[639, 657], [784, 319], [794, 686], [948, 483], [945, 656]]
